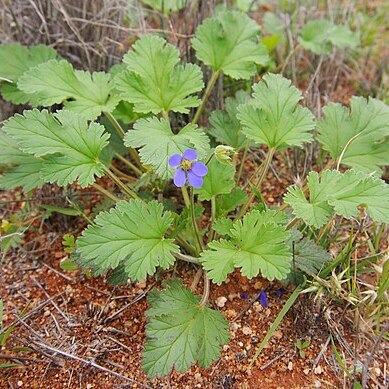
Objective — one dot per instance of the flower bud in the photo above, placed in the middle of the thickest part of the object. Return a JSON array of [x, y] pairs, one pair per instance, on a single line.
[[224, 153]]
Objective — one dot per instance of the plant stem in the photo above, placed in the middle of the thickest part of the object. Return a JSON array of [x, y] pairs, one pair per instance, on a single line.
[[121, 184], [122, 175], [165, 115], [207, 288], [213, 216], [351, 140], [115, 124], [129, 164], [121, 133], [207, 92], [185, 195], [186, 245], [195, 226], [106, 192], [245, 151], [187, 258], [266, 164]]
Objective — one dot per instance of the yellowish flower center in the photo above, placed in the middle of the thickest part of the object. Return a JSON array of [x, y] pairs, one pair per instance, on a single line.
[[186, 165]]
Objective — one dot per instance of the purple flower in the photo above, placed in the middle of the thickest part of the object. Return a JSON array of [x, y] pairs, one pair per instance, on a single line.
[[188, 169], [278, 292], [263, 299], [244, 296]]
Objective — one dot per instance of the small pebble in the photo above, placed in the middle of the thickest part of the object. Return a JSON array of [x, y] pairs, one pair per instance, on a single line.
[[221, 301], [318, 370], [230, 313], [257, 307], [141, 284], [198, 377], [20, 383], [290, 366], [258, 285], [247, 330], [306, 371], [277, 334]]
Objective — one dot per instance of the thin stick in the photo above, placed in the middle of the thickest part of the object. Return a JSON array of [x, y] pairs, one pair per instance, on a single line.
[[90, 363]]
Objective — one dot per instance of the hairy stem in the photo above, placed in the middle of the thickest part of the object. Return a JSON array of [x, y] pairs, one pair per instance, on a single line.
[[187, 258], [213, 217], [266, 164], [129, 164], [106, 193], [244, 156], [351, 140], [195, 226], [115, 124], [121, 133], [185, 196], [207, 288], [121, 184], [204, 100]]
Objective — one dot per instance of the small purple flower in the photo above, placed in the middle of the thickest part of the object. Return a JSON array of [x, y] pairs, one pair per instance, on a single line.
[[188, 169], [263, 299], [278, 293], [244, 296]]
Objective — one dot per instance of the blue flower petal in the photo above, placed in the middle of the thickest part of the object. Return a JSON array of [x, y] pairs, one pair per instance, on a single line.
[[194, 180], [199, 169], [175, 160], [190, 154], [179, 178], [263, 299]]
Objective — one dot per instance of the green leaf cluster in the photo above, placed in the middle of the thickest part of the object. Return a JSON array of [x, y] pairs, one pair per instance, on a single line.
[[181, 332], [320, 36], [229, 43], [131, 234], [256, 245], [341, 193], [273, 115], [357, 137]]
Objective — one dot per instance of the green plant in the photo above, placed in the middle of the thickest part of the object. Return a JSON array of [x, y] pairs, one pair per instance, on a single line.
[[144, 231], [301, 345]]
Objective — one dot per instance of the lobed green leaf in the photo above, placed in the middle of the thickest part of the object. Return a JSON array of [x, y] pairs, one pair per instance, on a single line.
[[133, 235], [334, 192], [180, 332], [273, 116], [229, 43], [358, 136], [56, 82], [69, 146], [154, 82], [257, 245]]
